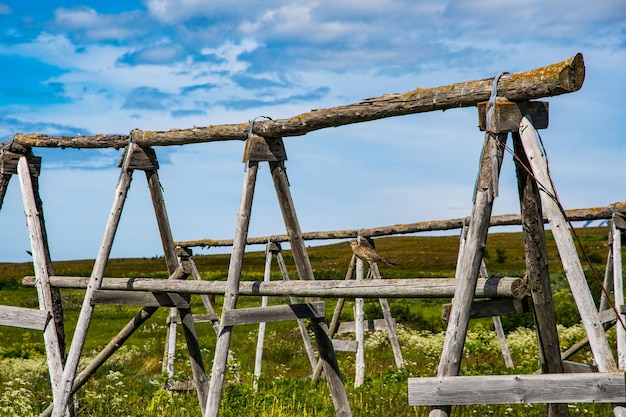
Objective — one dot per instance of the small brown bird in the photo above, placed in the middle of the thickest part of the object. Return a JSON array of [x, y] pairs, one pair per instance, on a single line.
[[366, 252]]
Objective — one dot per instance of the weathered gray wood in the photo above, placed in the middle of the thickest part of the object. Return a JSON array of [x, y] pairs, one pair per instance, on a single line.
[[508, 115], [26, 318], [53, 335], [391, 328], [231, 292], [359, 316], [567, 251], [86, 312], [491, 308], [270, 314], [139, 298], [197, 318], [576, 368], [537, 271], [305, 272], [368, 326], [618, 295], [471, 259], [334, 321], [118, 340], [345, 345], [518, 389], [494, 287], [559, 78], [304, 332], [583, 214], [569, 257], [146, 158], [258, 359]]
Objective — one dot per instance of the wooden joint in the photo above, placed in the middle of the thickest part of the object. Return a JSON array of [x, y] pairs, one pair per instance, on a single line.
[[9, 160], [507, 115], [259, 148], [491, 308], [139, 157]]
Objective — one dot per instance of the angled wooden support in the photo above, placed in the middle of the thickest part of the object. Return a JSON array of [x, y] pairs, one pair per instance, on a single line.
[[272, 150], [145, 159], [618, 291], [569, 256], [470, 262], [275, 250], [86, 312], [27, 169], [537, 271]]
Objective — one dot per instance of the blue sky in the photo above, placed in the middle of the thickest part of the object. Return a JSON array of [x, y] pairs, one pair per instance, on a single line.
[[91, 67]]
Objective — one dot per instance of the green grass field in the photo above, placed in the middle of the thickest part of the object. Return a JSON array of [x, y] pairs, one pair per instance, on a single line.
[[132, 383]]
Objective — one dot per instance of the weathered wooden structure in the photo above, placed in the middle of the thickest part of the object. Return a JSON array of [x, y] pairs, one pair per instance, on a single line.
[[504, 106]]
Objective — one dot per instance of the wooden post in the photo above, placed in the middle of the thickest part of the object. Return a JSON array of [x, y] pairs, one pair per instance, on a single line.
[[261, 336], [334, 321], [305, 271], [308, 346], [222, 346], [470, 262], [359, 367], [391, 326], [537, 271], [569, 256], [49, 299], [172, 260], [618, 294]]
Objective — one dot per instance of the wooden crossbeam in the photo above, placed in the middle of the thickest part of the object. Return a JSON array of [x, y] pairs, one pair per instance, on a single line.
[[139, 298], [270, 314], [518, 389], [507, 287], [26, 318]]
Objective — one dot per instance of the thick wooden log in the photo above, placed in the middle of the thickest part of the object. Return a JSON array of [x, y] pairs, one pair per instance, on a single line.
[[563, 77], [139, 298], [580, 214], [518, 389], [503, 287], [491, 308]]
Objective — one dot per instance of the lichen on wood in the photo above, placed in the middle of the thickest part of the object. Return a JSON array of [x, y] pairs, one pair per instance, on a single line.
[[560, 78]]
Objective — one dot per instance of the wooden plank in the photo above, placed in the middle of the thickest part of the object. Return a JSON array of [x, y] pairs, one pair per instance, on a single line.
[[618, 293], [368, 326], [26, 318], [197, 318], [139, 298], [345, 345], [559, 78], [518, 389], [359, 317], [576, 368], [491, 308], [494, 287], [508, 115], [581, 214], [273, 313]]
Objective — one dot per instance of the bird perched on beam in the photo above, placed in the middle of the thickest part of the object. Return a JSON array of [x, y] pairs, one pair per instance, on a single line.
[[366, 252]]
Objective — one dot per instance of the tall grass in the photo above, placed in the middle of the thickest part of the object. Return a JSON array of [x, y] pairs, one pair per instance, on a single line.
[[131, 382]]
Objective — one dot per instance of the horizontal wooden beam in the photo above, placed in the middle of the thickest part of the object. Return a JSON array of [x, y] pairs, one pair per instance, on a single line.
[[368, 326], [491, 308], [26, 318], [344, 345], [507, 287], [139, 298], [560, 78], [273, 313], [518, 389], [581, 214]]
